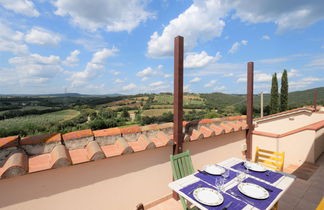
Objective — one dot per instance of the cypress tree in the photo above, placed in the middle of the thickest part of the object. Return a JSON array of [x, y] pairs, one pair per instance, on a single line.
[[284, 92], [274, 100]]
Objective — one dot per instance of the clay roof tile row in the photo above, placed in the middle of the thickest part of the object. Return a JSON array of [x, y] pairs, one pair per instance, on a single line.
[[19, 163]]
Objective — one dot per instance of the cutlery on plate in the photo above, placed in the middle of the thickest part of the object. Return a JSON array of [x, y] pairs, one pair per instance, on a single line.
[[199, 185], [203, 172], [227, 206], [240, 197]]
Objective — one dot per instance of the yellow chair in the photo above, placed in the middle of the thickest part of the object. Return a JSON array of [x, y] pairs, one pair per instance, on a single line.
[[269, 159], [273, 160], [321, 205]]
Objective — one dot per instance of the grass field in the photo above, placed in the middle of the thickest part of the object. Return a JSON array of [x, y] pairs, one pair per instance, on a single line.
[[159, 112], [44, 119], [187, 99]]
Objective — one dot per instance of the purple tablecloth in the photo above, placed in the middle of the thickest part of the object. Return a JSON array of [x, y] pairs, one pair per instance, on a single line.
[[236, 204], [212, 178], [261, 204], [268, 176]]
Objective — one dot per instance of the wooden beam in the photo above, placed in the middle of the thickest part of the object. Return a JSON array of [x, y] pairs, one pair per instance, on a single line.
[[249, 109], [178, 95]]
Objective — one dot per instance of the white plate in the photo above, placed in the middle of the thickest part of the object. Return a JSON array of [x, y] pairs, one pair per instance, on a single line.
[[255, 167], [253, 190], [208, 196], [215, 170]]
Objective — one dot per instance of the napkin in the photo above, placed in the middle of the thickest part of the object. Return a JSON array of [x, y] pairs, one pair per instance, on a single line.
[[236, 204], [268, 175], [261, 204]]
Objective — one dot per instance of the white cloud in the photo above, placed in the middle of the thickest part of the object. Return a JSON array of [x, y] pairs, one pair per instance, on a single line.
[[286, 15], [201, 22], [42, 36], [265, 37], [12, 41], [93, 67], [187, 88], [196, 79], [305, 82], [114, 72], [273, 60], [146, 72], [199, 60], [220, 88], [122, 15], [72, 59], [236, 46], [210, 83], [24, 7], [259, 77], [167, 75], [144, 79], [129, 86], [119, 80], [155, 84], [317, 62]]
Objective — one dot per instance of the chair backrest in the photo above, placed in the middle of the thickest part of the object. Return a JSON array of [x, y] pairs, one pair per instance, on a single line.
[[270, 159], [181, 165]]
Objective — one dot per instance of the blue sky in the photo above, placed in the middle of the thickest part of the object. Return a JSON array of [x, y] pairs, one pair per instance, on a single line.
[[126, 46]]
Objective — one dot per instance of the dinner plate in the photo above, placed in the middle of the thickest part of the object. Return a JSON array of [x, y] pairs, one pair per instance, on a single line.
[[215, 170], [208, 196], [253, 190], [254, 167]]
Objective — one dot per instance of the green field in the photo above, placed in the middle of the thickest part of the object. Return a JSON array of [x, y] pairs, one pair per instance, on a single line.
[[35, 120], [187, 99], [159, 112]]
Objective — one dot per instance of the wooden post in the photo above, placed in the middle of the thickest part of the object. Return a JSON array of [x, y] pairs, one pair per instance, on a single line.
[[178, 99], [249, 109], [178, 95], [315, 99]]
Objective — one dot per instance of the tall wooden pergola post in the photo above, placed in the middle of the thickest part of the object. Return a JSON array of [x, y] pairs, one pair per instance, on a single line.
[[178, 95], [315, 99], [249, 109]]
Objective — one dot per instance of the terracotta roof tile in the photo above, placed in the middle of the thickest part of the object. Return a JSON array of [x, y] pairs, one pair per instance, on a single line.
[[150, 127], [235, 126], [206, 121], [120, 147], [218, 129], [166, 125], [107, 132], [60, 157], [79, 156], [39, 163], [142, 143], [162, 139], [10, 141], [131, 129], [207, 132], [94, 151], [16, 165], [243, 124], [227, 128], [45, 138], [77, 134], [196, 135]]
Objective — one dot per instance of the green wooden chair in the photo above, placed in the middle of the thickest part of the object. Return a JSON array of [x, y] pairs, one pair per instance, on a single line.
[[181, 167]]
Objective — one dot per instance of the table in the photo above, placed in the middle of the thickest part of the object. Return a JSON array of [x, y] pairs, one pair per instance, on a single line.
[[283, 183]]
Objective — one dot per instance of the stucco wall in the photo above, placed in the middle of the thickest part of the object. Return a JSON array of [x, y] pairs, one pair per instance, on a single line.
[[304, 146], [114, 183], [319, 143], [283, 124]]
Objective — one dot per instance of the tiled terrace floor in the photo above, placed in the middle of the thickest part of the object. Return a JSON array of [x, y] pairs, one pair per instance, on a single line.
[[302, 195]]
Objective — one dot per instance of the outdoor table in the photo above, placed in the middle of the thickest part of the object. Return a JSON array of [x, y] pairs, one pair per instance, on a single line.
[[283, 183]]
